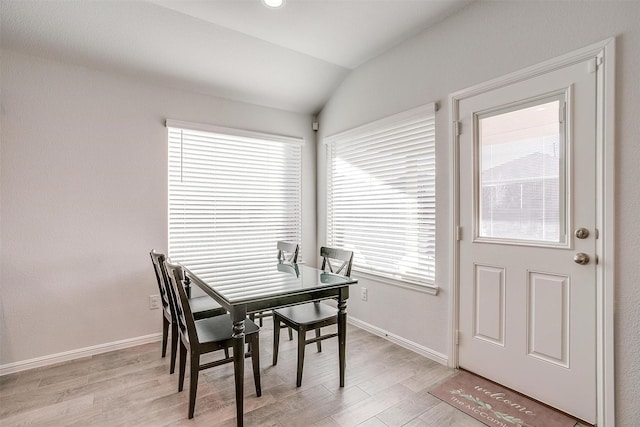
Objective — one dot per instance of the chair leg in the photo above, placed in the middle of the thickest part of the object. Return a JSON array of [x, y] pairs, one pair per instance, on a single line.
[[193, 382], [318, 344], [174, 346], [183, 364], [290, 334], [302, 342], [255, 361], [276, 338], [165, 335]]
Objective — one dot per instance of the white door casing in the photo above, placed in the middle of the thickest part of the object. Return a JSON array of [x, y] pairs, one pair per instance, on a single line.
[[523, 312]]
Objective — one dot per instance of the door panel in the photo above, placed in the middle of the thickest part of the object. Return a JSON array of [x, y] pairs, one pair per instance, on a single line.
[[527, 179], [489, 304], [548, 317]]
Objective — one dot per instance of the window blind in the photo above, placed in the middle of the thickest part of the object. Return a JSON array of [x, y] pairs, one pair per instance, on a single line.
[[232, 195], [381, 196]]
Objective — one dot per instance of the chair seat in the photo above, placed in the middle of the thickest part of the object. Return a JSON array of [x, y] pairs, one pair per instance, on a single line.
[[307, 314], [220, 328], [205, 306]]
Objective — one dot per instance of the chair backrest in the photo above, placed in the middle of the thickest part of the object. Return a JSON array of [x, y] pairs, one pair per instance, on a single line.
[[158, 260], [290, 268], [288, 252], [338, 256], [183, 314]]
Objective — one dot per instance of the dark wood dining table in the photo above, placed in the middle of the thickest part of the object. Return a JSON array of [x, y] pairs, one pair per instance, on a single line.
[[275, 285]]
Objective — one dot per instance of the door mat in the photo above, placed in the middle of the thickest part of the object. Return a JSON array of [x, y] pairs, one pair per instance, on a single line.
[[495, 405]]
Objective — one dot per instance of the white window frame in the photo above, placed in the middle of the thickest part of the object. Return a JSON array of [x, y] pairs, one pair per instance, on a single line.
[[202, 226], [411, 132]]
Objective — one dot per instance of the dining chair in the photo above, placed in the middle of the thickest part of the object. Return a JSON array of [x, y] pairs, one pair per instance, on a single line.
[[287, 254], [311, 316], [202, 307], [198, 337]]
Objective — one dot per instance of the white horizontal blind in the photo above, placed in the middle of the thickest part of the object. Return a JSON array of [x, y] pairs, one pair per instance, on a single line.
[[231, 198], [381, 196]]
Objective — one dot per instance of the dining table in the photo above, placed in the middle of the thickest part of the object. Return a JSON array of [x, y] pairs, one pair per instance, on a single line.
[[250, 289]]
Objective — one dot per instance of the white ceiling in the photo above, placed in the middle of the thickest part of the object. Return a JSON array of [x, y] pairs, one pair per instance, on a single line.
[[290, 58]]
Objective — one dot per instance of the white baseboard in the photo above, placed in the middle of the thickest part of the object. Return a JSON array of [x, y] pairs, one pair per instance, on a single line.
[[52, 359], [402, 342]]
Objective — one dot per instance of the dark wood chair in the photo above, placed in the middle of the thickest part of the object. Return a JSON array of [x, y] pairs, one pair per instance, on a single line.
[[199, 337], [201, 307], [311, 316], [287, 254]]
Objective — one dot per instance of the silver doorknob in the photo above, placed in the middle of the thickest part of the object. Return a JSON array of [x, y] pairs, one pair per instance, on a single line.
[[581, 258]]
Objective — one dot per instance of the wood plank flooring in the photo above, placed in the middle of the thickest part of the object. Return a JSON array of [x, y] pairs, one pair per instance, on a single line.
[[386, 385]]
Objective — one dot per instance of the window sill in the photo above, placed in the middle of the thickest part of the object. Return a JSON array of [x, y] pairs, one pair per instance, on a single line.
[[425, 289]]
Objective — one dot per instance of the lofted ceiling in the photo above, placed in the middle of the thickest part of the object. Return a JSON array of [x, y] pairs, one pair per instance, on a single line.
[[290, 58]]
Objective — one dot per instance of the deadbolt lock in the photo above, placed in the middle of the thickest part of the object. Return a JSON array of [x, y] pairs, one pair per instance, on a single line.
[[582, 233]]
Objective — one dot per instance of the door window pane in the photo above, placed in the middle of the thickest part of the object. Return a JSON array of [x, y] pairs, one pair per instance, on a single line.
[[522, 182]]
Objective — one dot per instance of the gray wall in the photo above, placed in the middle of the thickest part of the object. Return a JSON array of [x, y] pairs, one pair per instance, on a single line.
[[484, 41], [84, 199]]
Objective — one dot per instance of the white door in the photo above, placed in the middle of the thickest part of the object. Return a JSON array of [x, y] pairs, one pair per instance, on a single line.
[[527, 246]]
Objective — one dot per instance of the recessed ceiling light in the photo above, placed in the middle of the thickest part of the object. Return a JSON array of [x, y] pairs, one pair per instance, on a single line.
[[274, 4]]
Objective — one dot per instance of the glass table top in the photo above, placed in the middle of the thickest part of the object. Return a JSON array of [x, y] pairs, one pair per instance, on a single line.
[[265, 282]]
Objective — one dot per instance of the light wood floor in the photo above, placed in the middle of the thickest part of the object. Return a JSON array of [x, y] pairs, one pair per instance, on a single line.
[[386, 385]]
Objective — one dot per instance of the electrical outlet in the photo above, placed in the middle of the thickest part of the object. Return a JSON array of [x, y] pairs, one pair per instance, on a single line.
[[154, 302], [363, 294]]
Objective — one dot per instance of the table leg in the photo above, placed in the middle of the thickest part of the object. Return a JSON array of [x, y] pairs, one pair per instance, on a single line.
[[238, 368], [342, 337]]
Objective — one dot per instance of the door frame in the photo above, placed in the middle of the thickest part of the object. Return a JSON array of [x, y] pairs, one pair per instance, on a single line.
[[604, 51]]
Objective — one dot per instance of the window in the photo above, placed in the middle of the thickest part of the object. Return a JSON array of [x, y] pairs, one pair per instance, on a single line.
[[523, 173], [381, 196], [232, 195]]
